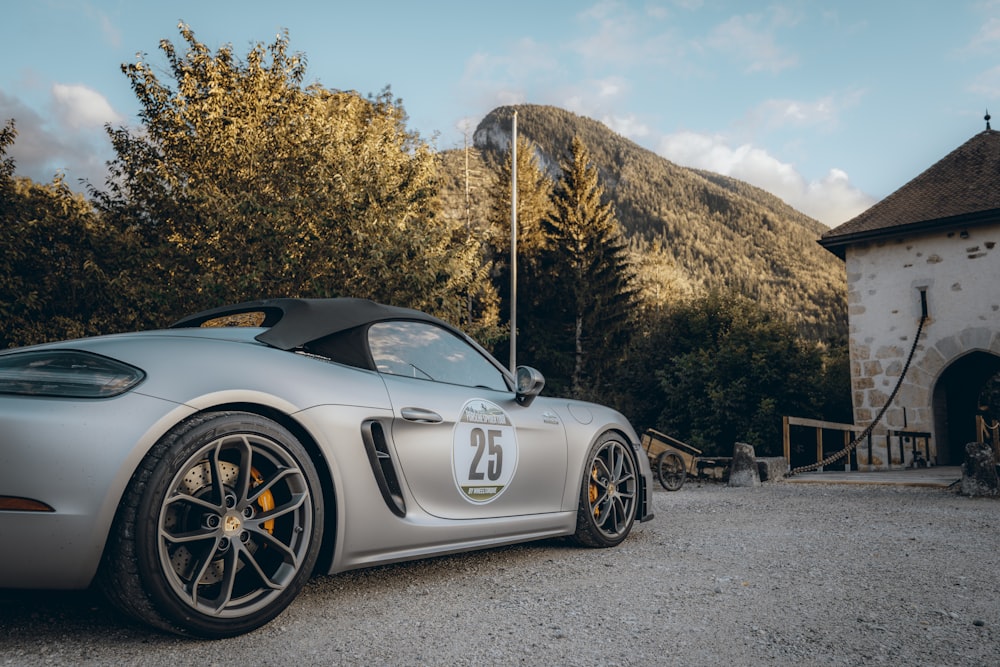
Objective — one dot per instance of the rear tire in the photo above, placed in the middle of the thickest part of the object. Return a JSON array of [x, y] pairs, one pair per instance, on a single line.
[[218, 530], [609, 493]]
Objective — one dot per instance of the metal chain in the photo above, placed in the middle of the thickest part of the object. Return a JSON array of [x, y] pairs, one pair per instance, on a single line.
[[871, 427]]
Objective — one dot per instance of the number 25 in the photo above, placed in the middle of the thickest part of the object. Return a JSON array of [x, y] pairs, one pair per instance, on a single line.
[[486, 442]]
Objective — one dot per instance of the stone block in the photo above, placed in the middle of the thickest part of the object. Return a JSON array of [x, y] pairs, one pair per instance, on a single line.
[[932, 362], [949, 348], [872, 368], [894, 418], [979, 471], [912, 395], [889, 352], [743, 470], [863, 383], [916, 375], [877, 399], [977, 338], [771, 468]]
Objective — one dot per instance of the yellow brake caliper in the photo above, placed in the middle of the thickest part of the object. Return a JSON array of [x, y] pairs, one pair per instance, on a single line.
[[266, 500], [593, 491]]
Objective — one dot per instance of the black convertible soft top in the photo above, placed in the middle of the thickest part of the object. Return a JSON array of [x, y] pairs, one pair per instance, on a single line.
[[293, 323]]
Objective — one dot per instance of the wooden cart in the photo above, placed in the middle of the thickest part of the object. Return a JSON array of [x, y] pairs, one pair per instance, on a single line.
[[671, 460]]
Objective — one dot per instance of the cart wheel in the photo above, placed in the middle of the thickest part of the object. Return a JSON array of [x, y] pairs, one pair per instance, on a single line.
[[670, 468]]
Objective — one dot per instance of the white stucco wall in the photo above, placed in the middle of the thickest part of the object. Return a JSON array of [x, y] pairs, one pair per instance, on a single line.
[[960, 272]]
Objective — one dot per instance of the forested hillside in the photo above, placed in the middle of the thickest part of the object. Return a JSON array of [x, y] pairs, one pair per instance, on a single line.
[[690, 231]]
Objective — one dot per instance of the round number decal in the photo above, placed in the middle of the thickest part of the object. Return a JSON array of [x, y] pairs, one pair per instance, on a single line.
[[484, 451]]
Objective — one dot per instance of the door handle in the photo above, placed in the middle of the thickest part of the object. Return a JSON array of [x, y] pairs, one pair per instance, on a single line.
[[421, 415]]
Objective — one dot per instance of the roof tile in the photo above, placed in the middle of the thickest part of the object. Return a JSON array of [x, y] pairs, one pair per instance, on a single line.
[[964, 182]]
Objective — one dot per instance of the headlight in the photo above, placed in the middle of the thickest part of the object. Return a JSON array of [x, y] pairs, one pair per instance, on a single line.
[[66, 374]]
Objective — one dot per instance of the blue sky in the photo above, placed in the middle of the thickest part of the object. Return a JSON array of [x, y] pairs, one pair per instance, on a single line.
[[829, 105]]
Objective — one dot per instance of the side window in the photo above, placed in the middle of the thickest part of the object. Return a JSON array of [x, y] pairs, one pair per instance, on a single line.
[[423, 350]]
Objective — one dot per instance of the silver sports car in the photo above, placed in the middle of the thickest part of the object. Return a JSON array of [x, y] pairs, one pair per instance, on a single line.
[[200, 474]]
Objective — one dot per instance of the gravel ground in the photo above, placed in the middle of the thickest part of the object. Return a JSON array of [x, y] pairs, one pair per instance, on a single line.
[[782, 574]]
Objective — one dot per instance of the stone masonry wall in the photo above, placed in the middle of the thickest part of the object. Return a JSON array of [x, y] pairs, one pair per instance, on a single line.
[[959, 274]]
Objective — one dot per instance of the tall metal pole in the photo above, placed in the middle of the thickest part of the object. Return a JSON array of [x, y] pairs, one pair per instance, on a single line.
[[513, 245]]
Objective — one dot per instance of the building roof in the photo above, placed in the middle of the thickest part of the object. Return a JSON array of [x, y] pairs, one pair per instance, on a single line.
[[959, 190]]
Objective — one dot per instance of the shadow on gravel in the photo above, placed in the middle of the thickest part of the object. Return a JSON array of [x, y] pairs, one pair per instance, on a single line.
[[52, 614], [42, 616]]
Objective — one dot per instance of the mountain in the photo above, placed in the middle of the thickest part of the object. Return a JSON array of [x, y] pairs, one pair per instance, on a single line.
[[689, 230]]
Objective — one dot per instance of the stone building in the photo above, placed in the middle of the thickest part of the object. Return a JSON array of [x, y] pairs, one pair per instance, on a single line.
[[928, 252]]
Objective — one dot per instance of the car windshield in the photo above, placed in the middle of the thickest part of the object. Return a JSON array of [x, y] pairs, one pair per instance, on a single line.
[[425, 351]]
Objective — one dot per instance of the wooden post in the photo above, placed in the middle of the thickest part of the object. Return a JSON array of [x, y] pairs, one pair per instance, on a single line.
[[819, 447], [819, 426], [786, 433], [871, 452], [847, 441]]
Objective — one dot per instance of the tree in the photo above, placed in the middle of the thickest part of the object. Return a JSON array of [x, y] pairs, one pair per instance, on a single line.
[[534, 191], [7, 135], [243, 183], [582, 311], [51, 283], [467, 189], [720, 369]]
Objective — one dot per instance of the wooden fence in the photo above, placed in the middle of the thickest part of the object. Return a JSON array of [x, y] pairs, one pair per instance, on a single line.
[[898, 444]]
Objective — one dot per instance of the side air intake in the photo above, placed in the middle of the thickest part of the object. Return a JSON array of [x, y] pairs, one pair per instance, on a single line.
[[381, 461]]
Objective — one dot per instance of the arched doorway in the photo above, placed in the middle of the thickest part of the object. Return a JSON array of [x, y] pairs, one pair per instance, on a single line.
[[957, 398]]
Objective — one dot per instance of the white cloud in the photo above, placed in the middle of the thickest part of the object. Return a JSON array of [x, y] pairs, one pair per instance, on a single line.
[[44, 147], [506, 97], [781, 113], [111, 33], [527, 59], [611, 87], [823, 112], [490, 80], [831, 200], [628, 126], [592, 98], [621, 36], [987, 83], [79, 107], [466, 125], [615, 38], [987, 37], [746, 41]]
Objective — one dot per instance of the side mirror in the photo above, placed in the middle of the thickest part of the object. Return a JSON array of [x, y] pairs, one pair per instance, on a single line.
[[529, 384]]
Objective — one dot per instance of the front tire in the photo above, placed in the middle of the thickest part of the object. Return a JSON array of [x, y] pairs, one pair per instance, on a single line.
[[608, 494], [218, 530]]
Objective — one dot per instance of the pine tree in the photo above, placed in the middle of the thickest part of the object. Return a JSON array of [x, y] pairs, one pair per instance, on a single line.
[[534, 205], [582, 315]]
